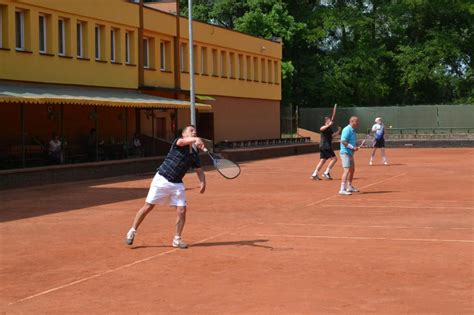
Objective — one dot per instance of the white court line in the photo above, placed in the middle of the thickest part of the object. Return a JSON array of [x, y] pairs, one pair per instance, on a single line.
[[369, 226], [411, 200], [118, 268], [398, 207], [366, 186], [365, 238]]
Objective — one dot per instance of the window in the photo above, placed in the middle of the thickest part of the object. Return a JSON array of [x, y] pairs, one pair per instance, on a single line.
[[276, 72], [113, 45], [2, 10], [162, 56], [203, 60], [195, 59], [98, 42], [264, 70], [42, 33], [146, 53], [61, 37], [20, 30], [270, 71], [223, 64], [127, 48], [240, 67], [232, 65], [215, 63], [255, 69], [249, 67], [80, 39], [183, 55]]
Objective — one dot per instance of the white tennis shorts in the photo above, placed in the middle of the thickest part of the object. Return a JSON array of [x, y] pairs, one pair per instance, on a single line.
[[163, 192]]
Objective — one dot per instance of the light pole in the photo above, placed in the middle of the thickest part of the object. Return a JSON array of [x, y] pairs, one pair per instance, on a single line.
[[192, 96]]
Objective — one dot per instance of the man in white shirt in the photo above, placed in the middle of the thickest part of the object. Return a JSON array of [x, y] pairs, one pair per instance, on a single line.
[[379, 130]]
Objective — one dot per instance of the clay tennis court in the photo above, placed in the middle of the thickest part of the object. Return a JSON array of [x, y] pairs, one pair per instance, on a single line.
[[270, 242]]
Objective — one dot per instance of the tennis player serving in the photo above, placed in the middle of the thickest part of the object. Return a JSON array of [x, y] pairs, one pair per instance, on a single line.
[[167, 185]]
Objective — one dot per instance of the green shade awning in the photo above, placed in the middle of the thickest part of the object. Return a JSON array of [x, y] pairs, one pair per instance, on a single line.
[[31, 93], [205, 98]]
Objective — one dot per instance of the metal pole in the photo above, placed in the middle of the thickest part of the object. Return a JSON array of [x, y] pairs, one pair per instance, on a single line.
[[23, 149], [192, 97], [141, 73], [96, 125], [153, 132]]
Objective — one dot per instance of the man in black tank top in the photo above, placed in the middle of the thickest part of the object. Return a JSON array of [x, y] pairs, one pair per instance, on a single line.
[[326, 151]]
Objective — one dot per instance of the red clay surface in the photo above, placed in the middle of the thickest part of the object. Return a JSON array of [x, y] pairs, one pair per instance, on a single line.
[[270, 242]]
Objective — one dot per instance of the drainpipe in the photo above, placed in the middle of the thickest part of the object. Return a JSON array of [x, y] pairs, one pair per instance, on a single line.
[[141, 73]]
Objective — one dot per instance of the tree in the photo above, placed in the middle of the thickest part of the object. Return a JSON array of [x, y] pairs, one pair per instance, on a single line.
[[361, 52]]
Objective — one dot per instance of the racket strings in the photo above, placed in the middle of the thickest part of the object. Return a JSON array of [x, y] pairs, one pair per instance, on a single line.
[[227, 168]]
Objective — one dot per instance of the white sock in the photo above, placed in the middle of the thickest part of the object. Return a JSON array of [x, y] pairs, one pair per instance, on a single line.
[[343, 186], [176, 237], [315, 173], [350, 185], [327, 171], [132, 230]]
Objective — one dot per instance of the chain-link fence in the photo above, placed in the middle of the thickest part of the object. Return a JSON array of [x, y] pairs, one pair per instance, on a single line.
[[289, 121], [399, 117]]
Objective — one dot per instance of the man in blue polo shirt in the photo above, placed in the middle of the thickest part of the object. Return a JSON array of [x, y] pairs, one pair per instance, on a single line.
[[348, 147]]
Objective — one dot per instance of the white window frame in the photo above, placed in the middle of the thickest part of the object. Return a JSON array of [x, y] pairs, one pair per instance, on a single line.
[[22, 30], [97, 42], [79, 40], [127, 47], [42, 38], [62, 35], [112, 45], [163, 56]]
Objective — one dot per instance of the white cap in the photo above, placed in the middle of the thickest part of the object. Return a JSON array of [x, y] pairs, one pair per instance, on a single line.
[[378, 119]]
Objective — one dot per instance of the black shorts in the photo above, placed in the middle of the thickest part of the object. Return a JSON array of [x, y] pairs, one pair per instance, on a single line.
[[326, 154], [379, 143]]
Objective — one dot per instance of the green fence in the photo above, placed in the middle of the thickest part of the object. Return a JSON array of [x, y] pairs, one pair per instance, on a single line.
[[399, 117]]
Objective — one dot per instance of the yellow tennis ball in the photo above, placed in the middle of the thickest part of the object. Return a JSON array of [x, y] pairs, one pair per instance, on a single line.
[[390, 126]]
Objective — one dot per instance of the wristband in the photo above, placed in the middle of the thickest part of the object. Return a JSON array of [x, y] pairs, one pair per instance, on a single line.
[[350, 146]]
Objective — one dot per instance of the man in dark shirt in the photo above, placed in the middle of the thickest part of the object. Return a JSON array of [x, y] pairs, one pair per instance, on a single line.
[[167, 185], [326, 151]]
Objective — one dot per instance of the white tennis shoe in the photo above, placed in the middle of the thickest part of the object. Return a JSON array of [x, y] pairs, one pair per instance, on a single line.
[[345, 193], [352, 189], [130, 236], [178, 243]]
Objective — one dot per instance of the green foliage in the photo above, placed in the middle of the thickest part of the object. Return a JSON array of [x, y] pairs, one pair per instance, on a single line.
[[361, 52]]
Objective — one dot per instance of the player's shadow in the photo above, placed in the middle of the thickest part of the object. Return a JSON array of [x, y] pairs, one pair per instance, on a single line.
[[378, 192], [390, 164], [251, 243]]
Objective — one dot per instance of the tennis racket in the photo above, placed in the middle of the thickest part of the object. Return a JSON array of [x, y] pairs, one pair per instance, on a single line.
[[334, 112], [226, 168], [367, 142]]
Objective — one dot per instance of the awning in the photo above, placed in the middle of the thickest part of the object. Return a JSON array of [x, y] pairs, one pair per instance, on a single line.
[[205, 98], [30, 93]]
